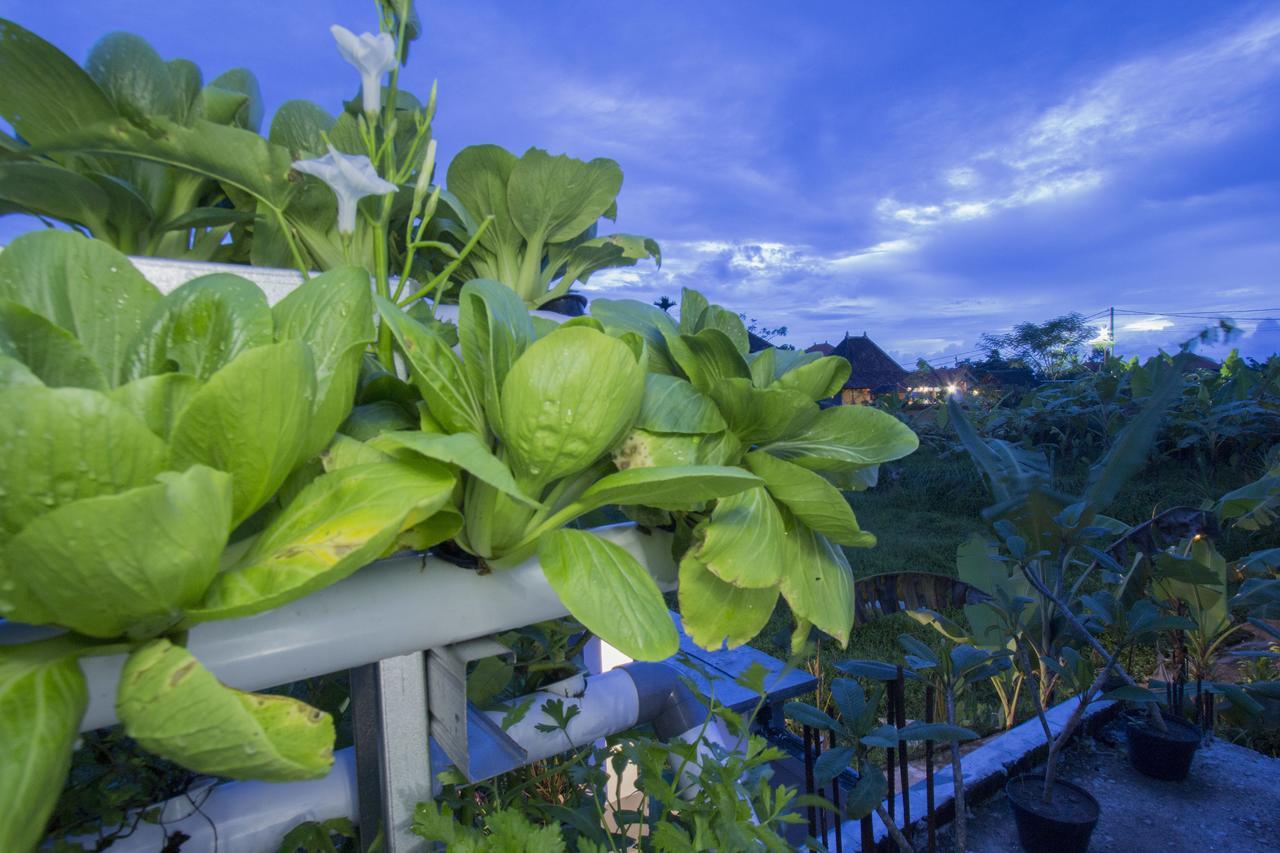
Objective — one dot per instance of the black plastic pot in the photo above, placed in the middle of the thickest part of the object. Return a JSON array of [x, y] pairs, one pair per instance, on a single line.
[[1062, 826], [570, 305], [1163, 755]]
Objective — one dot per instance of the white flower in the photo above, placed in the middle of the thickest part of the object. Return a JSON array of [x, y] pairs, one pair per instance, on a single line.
[[373, 56], [351, 177]]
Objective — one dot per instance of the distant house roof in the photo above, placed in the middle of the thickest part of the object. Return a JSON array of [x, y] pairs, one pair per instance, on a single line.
[[823, 348], [939, 376], [872, 367], [1195, 361]]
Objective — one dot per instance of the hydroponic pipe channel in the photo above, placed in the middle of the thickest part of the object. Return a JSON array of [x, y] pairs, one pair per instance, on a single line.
[[392, 607], [253, 817]]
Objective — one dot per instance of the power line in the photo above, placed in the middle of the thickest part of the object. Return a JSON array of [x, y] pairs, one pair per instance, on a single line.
[[1173, 328]]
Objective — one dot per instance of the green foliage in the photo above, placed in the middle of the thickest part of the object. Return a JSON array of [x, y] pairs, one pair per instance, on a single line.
[[56, 169], [857, 728], [544, 213], [624, 408], [193, 411], [691, 796], [1049, 348]]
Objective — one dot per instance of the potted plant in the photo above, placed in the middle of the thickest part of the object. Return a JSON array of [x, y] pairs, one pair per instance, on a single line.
[[1049, 540]]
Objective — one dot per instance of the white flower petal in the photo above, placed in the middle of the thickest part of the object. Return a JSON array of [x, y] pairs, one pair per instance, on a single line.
[[351, 177], [372, 55]]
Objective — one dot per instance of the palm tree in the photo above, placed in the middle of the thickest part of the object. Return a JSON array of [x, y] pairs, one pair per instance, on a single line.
[[664, 303]]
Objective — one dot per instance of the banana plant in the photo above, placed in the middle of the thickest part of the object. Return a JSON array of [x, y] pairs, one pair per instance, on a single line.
[[1050, 538], [1194, 584], [544, 212], [157, 474]]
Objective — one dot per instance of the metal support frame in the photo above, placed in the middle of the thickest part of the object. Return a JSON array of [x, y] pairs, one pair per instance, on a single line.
[[393, 758], [454, 719]]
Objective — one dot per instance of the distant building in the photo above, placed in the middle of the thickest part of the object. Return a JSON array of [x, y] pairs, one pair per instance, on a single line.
[[1195, 361], [939, 383], [873, 371], [755, 343]]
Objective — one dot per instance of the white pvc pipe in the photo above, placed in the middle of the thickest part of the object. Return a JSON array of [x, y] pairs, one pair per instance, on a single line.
[[253, 817], [247, 817], [392, 607], [609, 705]]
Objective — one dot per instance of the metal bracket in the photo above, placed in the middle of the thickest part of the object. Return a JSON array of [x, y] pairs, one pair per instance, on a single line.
[[474, 743]]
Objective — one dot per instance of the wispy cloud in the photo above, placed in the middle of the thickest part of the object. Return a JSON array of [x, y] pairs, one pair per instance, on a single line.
[[1194, 93]]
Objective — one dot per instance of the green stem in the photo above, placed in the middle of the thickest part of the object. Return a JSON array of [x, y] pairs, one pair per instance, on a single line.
[[413, 241], [293, 245], [530, 266], [384, 290], [439, 281]]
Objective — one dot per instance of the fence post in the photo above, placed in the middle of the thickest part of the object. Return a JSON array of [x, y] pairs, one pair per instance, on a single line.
[[929, 699], [890, 771], [808, 778], [901, 722], [393, 755]]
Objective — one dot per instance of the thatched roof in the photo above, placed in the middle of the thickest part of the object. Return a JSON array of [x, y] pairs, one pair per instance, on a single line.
[[823, 348], [1195, 361], [872, 366]]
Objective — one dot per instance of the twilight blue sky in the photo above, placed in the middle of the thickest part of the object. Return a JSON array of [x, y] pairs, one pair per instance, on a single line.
[[921, 171]]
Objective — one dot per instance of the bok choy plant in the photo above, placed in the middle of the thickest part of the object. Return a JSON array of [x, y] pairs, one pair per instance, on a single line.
[[153, 475], [706, 401], [544, 213], [148, 208]]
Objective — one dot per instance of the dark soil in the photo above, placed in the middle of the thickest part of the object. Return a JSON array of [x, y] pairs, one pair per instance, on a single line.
[[1179, 731], [1068, 805], [1229, 802]]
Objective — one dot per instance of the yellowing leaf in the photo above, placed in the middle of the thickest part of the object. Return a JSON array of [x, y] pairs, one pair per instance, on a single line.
[[177, 709], [340, 522]]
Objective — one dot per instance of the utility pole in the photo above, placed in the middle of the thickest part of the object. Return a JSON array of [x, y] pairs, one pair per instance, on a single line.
[[1111, 335]]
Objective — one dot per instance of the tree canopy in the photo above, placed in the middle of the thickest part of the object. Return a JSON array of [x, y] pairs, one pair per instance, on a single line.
[[1050, 348]]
